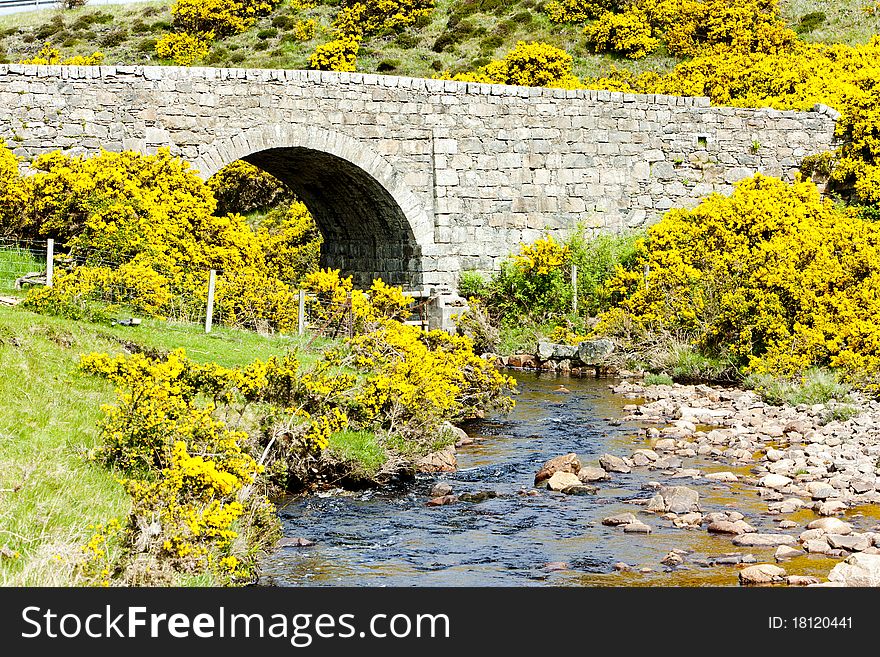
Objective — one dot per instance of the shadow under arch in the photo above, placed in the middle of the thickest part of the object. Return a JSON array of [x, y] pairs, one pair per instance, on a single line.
[[373, 225]]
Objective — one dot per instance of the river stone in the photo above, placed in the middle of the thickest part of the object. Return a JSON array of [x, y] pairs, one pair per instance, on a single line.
[[763, 573], [774, 455], [764, 540], [440, 489], [784, 552], [440, 461], [619, 519], [590, 473], [790, 505], [820, 490], [831, 508], [672, 559], [774, 481], [831, 526], [564, 352], [817, 545], [637, 527], [613, 463], [725, 527], [479, 496], [562, 480], [721, 476], [851, 542], [594, 352], [580, 489], [857, 570], [862, 485], [546, 349], [675, 499], [801, 580], [442, 501], [566, 463], [640, 459]]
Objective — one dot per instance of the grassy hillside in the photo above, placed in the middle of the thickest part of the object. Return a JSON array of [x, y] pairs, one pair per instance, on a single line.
[[458, 36], [49, 492]]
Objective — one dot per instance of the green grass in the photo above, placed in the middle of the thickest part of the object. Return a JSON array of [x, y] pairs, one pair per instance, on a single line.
[[658, 380], [360, 450], [49, 493], [14, 263], [126, 34], [816, 386]]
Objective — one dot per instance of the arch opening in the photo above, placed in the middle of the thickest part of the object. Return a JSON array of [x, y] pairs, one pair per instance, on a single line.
[[366, 233]]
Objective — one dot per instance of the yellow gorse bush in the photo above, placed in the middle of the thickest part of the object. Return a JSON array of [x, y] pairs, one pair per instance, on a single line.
[[14, 194], [358, 20], [337, 55], [142, 232], [531, 64], [184, 48], [773, 276], [628, 33], [50, 56]]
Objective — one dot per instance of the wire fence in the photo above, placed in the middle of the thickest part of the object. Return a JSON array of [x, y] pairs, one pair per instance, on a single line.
[[206, 297]]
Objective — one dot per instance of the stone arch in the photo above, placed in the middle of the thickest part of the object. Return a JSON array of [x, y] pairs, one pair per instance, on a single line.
[[373, 224]]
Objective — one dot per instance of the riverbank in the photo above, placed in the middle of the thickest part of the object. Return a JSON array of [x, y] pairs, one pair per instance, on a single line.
[[50, 493]]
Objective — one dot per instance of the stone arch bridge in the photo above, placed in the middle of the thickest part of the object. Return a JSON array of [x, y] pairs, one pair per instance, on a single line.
[[410, 179]]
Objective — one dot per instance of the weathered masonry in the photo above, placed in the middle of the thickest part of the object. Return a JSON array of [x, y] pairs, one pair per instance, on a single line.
[[415, 180]]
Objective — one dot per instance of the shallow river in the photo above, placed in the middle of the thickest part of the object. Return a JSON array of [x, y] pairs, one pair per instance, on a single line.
[[392, 539]]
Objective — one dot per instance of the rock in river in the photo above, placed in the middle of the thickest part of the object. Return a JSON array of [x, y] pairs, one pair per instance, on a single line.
[[637, 527], [566, 463], [439, 461], [590, 473], [294, 542], [613, 463], [619, 519], [675, 499], [764, 540], [774, 481], [440, 489], [562, 480], [831, 526], [784, 552], [762, 573]]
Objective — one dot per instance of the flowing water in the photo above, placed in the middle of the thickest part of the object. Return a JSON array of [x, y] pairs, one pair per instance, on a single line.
[[390, 538]]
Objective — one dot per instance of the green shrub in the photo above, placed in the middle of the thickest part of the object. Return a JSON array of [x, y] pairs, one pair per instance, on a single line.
[[658, 380], [472, 284]]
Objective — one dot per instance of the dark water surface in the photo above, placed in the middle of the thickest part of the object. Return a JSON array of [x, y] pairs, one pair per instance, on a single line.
[[391, 538]]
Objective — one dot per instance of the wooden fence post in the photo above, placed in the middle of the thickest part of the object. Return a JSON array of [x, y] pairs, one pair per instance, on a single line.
[[574, 287], [209, 317], [50, 262], [301, 316]]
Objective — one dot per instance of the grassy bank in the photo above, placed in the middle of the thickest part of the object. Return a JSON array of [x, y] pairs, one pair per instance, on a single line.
[[49, 494]]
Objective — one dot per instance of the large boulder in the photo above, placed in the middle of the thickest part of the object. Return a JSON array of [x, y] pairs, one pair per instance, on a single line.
[[594, 352], [565, 463], [857, 570]]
